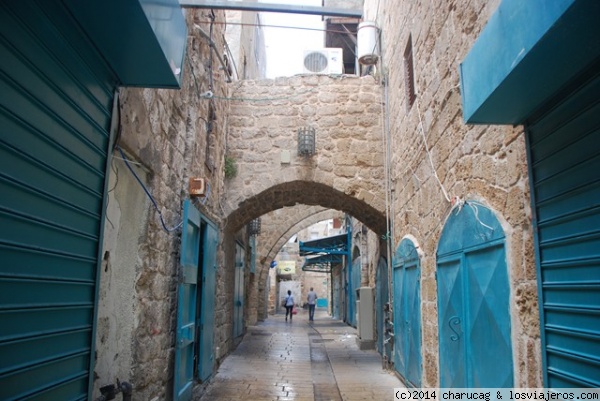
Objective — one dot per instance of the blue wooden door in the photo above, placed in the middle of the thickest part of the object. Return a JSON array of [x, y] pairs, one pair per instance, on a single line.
[[451, 316], [238, 297], [337, 298], [407, 313], [206, 324], [563, 144], [473, 301], [353, 285], [399, 354], [489, 344], [183, 375]]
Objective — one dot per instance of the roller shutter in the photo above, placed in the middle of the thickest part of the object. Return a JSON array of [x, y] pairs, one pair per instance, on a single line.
[[56, 96], [564, 156]]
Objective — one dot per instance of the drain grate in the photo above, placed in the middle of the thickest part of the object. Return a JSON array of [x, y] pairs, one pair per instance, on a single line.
[[260, 333], [325, 387]]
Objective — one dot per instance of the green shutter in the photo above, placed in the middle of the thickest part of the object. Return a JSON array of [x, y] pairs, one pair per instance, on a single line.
[[55, 110], [564, 154]]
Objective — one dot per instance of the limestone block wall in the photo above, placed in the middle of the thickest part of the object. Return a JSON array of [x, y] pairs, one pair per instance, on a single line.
[[345, 173], [435, 156], [169, 136]]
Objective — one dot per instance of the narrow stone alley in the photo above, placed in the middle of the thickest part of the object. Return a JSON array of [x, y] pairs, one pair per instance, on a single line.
[[279, 360]]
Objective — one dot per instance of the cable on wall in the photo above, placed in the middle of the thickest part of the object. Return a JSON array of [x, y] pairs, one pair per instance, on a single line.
[[429, 154], [164, 225]]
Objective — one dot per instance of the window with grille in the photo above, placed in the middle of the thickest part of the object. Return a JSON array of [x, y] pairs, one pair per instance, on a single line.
[[409, 74]]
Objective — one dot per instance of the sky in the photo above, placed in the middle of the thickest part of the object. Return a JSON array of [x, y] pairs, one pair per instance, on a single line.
[[285, 47]]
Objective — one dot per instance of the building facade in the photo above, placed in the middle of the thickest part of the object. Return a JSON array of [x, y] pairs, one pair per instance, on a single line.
[[466, 159]]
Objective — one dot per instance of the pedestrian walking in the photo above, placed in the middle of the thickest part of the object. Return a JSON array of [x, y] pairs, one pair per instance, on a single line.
[[289, 305], [312, 301]]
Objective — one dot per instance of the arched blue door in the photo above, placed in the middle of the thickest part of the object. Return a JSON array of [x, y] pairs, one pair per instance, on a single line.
[[407, 313], [473, 301]]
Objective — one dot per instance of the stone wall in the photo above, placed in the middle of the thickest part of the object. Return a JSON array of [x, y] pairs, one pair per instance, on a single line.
[[169, 136], [346, 171], [430, 141]]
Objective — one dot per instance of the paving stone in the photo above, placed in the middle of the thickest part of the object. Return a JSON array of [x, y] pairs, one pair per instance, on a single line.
[[282, 361]]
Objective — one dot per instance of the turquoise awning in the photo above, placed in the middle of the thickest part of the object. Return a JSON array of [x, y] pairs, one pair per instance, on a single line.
[[524, 55], [143, 41], [321, 254]]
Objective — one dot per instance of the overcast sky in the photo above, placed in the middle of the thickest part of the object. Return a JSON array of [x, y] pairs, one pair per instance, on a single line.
[[285, 47]]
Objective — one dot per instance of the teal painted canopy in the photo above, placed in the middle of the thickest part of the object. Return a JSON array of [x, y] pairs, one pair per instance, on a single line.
[[143, 41], [524, 55]]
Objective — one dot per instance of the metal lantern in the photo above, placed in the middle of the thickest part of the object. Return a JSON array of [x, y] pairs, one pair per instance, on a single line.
[[254, 227], [306, 141]]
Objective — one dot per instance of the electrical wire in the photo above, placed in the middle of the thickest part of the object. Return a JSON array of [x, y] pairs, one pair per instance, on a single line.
[[113, 167], [207, 193], [429, 155], [167, 229], [241, 99], [280, 26], [473, 206]]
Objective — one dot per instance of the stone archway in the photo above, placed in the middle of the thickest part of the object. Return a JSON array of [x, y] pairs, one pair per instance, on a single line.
[[307, 193], [280, 225]]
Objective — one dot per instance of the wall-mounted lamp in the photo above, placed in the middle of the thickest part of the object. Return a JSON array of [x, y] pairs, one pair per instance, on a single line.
[[254, 227], [306, 141]]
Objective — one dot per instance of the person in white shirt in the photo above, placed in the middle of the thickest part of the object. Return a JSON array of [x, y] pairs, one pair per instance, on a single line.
[[289, 305], [312, 301]]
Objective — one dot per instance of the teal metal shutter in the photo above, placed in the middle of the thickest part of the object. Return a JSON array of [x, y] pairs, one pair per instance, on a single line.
[[473, 301], [56, 98], [207, 306], [183, 377], [564, 158], [407, 313]]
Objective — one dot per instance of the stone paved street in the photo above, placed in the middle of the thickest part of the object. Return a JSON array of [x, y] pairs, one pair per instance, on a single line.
[[279, 360]]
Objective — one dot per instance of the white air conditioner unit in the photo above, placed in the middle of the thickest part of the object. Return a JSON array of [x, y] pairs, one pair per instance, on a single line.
[[324, 61]]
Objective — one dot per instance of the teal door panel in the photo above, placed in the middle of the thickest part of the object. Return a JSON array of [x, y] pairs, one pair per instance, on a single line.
[[183, 377], [399, 343], [56, 98], [412, 320], [238, 299], [490, 347], [407, 313], [451, 318], [206, 358], [563, 146], [473, 301], [353, 285], [337, 298]]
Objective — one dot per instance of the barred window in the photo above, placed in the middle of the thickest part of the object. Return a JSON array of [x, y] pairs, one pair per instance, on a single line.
[[409, 74]]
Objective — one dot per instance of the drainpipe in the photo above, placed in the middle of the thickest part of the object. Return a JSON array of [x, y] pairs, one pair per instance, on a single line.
[[110, 391], [127, 390], [389, 212], [213, 46]]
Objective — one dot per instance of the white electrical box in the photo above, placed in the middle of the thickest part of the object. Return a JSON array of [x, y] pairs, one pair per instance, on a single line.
[[366, 314]]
